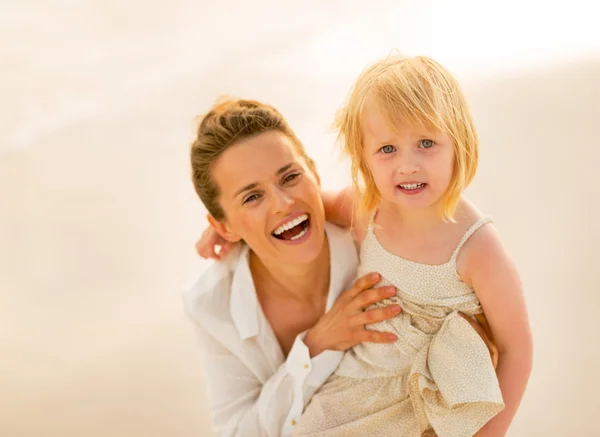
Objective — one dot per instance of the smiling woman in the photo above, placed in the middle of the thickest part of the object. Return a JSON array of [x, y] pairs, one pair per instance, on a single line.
[[278, 205], [271, 317]]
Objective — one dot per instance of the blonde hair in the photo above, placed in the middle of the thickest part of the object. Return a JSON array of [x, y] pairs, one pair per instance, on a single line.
[[418, 91], [228, 122]]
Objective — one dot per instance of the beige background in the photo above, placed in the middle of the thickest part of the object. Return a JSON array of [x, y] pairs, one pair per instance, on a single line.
[[98, 218]]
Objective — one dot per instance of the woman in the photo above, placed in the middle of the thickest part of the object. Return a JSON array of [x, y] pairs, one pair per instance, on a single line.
[[274, 316]]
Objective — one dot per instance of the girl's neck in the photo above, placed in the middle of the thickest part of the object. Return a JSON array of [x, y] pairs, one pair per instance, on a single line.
[[422, 236], [412, 220]]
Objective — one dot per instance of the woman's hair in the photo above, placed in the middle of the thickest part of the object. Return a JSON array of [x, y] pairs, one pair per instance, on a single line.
[[413, 90], [228, 122]]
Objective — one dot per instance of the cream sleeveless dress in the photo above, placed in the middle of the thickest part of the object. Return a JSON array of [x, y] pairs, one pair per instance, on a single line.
[[438, 374]]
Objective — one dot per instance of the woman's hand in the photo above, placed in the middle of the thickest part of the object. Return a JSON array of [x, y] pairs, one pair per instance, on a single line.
[[212, 245], [343, 326]]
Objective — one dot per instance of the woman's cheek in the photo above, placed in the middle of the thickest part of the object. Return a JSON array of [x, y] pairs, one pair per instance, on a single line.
[[251, 223]]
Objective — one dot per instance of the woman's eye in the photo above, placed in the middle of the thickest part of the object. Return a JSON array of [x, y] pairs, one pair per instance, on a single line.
[[426, 144], [290, 177], [251, 198], [388, 149]]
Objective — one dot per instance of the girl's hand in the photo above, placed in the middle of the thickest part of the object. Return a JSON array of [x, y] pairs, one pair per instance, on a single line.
[[482, 328], [343, 326], [212, 245]]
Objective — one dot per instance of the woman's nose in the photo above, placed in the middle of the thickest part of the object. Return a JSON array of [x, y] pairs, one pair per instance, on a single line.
[[282, 201]]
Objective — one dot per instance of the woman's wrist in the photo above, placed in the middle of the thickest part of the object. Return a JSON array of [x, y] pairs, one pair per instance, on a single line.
[[313, 342]]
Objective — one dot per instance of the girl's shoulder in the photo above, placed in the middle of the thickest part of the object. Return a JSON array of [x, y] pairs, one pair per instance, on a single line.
[[480, 245]]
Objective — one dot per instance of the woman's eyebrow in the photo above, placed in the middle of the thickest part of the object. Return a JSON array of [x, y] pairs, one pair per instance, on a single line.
[[253, 185], [248, 187], [284, 168]]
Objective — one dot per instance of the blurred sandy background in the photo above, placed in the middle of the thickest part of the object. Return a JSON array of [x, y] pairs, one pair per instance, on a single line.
[[98, 218]]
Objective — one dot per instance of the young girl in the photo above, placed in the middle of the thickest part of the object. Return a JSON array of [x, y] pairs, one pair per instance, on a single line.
[[414, 150]]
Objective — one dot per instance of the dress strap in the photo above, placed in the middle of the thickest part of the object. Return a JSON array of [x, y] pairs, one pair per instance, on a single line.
[[371, 222], [479, 223]]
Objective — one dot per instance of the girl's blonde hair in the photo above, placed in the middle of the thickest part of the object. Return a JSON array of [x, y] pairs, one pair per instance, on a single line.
[[417, 91]]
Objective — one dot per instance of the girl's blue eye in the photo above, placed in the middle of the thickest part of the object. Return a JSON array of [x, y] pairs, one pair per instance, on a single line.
[[426, 144], [388, 149]]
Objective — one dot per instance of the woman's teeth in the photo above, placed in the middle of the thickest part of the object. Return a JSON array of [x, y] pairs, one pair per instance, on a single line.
[[289, 225], [411, 186], [301, 234]]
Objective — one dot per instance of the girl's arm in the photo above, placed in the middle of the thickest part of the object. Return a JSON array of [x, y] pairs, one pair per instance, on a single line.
[[340, 209], [489, 270]]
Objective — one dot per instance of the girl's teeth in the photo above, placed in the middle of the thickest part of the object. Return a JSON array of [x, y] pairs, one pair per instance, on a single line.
[[411, 186]]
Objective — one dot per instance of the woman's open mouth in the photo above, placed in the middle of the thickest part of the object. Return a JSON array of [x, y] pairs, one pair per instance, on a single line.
[[294, 229]]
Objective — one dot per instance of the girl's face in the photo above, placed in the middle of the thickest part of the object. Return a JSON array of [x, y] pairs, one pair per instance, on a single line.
[[411, 166]]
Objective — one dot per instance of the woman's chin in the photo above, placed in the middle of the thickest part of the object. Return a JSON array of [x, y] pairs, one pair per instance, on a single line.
[[304, 248]]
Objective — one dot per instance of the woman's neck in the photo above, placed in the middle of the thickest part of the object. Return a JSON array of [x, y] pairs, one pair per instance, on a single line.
[[306, 283]]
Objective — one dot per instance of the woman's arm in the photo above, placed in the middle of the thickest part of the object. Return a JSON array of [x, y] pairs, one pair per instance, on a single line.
[[489, 270], [243, 403]]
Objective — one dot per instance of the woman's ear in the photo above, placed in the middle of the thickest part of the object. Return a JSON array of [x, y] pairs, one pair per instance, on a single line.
[[223, 229]]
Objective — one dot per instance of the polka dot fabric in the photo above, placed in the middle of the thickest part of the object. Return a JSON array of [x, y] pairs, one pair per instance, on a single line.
[[438, 374]]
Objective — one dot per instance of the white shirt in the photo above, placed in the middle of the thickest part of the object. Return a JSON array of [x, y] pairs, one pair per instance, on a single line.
[[253, 389]]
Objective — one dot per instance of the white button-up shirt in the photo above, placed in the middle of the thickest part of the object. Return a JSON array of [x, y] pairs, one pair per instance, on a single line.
[[254, 390]]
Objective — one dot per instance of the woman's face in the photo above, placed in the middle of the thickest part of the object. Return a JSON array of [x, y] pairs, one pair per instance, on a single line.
[[270, 198]]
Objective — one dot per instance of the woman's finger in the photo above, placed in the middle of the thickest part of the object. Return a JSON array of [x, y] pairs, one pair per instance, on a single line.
[[369, 297], [375, 315], [363, 283], [368, 336]]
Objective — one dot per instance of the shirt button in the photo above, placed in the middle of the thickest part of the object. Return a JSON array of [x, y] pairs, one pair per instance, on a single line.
[[293, 422], [306, 366]]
